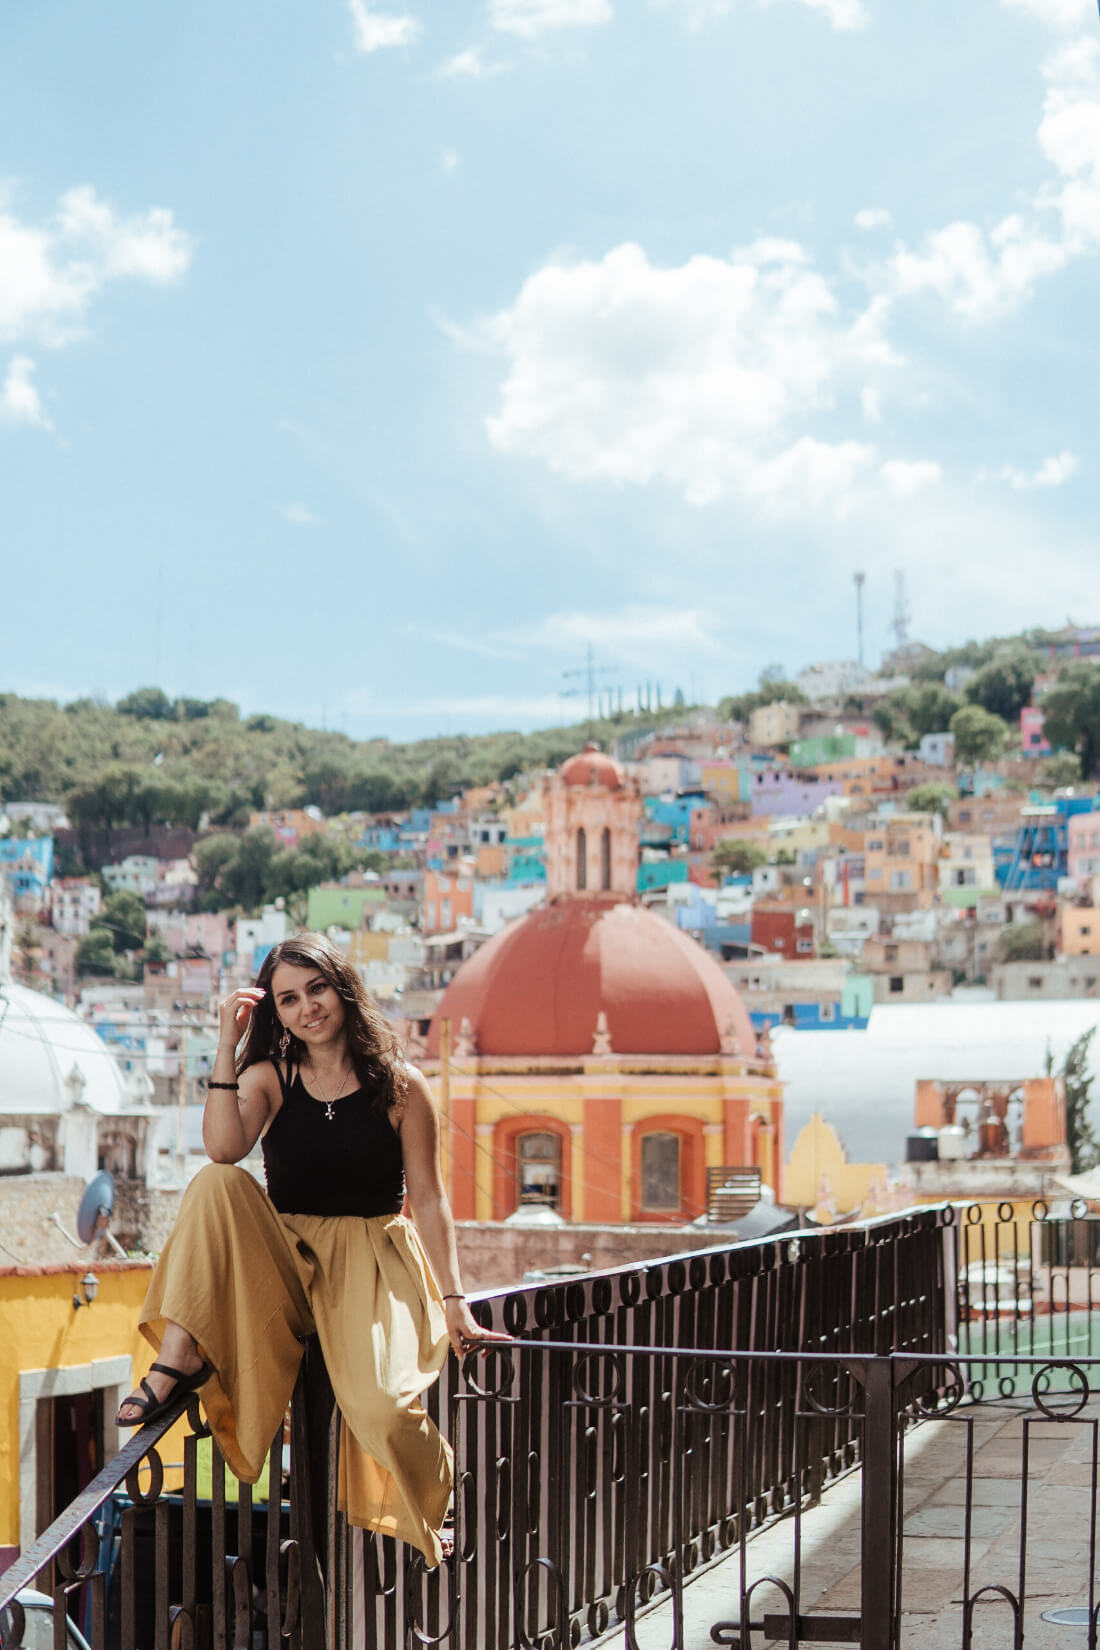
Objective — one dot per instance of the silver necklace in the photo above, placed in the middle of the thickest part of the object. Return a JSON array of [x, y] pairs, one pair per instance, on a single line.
[[329, 1104]]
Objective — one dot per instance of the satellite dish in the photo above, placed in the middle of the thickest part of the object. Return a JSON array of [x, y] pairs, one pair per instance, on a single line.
[[95, 1206]]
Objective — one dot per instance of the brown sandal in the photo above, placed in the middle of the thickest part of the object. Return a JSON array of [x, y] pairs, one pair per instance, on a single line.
[[150, 1407]]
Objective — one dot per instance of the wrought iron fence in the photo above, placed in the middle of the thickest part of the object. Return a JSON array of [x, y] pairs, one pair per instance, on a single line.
[[645, 1422]]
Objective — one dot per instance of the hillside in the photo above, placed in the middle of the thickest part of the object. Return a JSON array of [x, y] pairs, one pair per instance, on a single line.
[[151, 760]]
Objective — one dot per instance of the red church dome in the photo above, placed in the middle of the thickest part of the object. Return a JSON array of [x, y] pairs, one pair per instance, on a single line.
[[538, 987], [592, 767]]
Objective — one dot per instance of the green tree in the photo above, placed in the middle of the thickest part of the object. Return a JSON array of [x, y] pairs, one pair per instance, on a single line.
[[123, 915], [1003, 686], [151, 703], [155, 949], [1023, 942], [930, 799], [1071, 712], [1084, 1150], [95, 953], [1063, 768], [932, 707], [893, 716], [246, 878], [734, 856], [738, 707], [213, 857], [979, 735]]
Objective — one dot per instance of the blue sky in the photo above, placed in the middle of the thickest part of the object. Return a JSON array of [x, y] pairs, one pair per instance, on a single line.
[[366, 365]]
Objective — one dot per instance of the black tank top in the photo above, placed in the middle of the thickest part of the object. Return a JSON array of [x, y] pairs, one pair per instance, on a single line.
[[349, 1165]]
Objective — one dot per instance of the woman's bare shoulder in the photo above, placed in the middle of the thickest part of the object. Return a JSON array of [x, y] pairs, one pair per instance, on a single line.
[[261, 1081], [413, 1096]]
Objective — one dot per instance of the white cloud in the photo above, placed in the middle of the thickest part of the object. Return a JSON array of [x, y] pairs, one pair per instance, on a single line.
[[703, 376], [299, 515], [1057, 470], [1061, 14], [982, 274], [870, 399], [471, 64], [873, 217], [694, 12], [1054, 471], [451, 160], [631, 634], [904, 477], [375, 30], [842, 14], [50, 272], [530, 18], [20, 402]]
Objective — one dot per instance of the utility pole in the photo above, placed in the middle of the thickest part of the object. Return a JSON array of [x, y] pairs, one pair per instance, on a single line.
[[589, 672], [901, 611], [859, 580]]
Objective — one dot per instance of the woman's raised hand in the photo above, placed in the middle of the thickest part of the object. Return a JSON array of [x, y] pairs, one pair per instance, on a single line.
[[234, 1013]]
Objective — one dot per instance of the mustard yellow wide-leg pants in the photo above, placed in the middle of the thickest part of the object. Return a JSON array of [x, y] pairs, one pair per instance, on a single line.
[[249, 1284]]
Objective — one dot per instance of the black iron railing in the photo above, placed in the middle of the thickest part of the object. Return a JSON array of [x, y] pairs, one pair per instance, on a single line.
[[646, 1422]]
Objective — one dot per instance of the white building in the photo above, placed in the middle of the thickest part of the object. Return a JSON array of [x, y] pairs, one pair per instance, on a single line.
[[257, 935], [136, 874], [74, 902], [65, 1104], [834, 679]]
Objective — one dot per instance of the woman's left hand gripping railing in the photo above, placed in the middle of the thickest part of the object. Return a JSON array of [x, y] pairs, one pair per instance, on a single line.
[[155, 1568]]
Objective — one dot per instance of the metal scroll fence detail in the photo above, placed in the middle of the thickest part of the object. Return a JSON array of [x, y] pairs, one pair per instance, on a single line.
[[644, 1423], [617, 1446]]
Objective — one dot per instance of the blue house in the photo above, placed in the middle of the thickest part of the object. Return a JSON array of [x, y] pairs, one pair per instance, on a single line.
[[1038, 855], [26, 864]]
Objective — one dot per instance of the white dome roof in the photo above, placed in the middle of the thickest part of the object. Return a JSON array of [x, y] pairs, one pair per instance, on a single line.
[[865, 1082], [41, 1042]]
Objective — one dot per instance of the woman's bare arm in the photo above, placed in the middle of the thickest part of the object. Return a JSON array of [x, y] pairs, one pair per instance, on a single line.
[[235, 1117], [419, 1129]]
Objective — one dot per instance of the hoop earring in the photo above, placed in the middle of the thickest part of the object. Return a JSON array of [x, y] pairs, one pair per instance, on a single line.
[[284, 1044]]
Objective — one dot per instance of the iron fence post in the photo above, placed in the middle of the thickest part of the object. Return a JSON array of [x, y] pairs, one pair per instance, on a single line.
[[878, 1535]]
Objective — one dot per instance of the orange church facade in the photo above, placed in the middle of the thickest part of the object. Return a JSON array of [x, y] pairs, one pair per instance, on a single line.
[[599, 1061]]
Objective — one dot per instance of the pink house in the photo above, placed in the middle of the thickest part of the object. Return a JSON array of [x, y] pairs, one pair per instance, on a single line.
[[1032, 738], [1084, 845]]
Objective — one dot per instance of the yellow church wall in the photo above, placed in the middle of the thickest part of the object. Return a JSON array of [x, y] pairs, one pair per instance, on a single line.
[[40, 1329], [491, 1100]]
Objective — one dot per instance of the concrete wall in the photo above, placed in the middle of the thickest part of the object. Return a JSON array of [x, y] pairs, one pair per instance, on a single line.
[[29, 1236], [493, 1256]]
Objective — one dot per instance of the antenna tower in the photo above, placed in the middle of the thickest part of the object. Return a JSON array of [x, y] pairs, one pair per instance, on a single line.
[[901, 611], [859, 580], [589, 671]]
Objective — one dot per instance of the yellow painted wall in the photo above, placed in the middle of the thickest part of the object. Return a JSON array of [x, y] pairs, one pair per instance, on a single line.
[[500, 1096], [816, 1156], [39, 1329]]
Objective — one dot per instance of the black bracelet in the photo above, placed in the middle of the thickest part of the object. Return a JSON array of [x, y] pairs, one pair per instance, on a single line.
[[211, 1085], [454, 1297]]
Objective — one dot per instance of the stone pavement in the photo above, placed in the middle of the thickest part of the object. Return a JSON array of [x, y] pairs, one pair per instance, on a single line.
[[1060, 1516]]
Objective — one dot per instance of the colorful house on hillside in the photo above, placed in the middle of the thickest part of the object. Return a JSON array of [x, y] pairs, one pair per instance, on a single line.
[[26, 865]]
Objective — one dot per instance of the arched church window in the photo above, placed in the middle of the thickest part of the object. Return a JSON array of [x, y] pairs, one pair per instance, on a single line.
[[661, 1156], [538, 1167], [582, 858], [605, 859]]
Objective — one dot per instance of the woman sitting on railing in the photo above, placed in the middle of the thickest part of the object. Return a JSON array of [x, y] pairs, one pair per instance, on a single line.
[[308, 1065]]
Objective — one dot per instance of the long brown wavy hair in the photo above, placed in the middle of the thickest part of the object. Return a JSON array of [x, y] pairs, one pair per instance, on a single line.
[[376, 1055]]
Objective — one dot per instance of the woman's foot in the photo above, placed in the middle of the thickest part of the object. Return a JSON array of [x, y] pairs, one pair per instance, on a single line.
[[179, 1352]]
